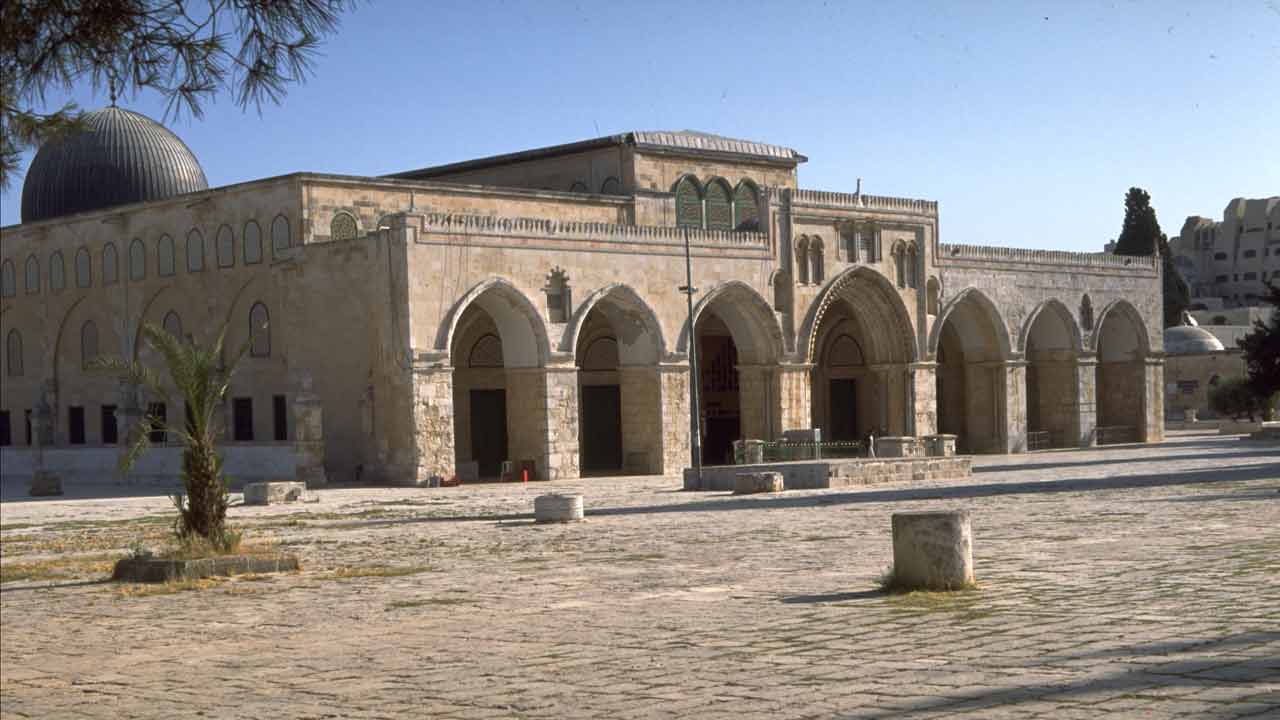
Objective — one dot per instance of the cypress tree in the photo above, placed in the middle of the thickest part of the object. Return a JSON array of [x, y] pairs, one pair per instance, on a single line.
[[1140, 234]]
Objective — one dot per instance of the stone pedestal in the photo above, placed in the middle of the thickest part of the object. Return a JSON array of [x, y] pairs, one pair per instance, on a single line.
[[762, 482], [274, 492], [557, 508], [932, 550], [940, 445], [45, 484], [893, 446], [807, 443]]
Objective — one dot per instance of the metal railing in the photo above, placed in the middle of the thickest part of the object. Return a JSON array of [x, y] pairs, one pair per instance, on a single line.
[[745, 453]]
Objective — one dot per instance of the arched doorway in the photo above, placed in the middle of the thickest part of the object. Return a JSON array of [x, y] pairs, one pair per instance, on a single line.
[[497, 352], [861, 347], [971, 344], [1121, 346], [1053, 402], [617, 349], [738, 342]]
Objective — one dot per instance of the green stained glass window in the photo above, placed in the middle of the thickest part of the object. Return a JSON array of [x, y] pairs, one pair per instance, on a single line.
[[688, 204], [746, 207], [719, 206]]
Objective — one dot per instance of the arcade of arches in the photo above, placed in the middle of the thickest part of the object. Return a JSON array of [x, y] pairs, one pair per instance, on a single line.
[[610, 399]]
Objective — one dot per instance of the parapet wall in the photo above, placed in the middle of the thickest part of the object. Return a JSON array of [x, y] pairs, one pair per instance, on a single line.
[[958, 254], [454, 223]]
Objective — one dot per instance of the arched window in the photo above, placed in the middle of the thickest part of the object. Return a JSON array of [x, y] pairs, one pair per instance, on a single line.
[[165, 257], [33, 275], [57, 272], [900, 265], [719, 205], [817, 265], [13, 353], [8, 279], [137, 260], [802, 260], [195, 251], [611, 186], [279, 234], [225, 247], [110, 265], [1086, 312], [688, 203], [88, 343], [912, 281], [252, 243], [746, 206], [486, 353], [259, 331], [84, 268], [343, 227], [172, 324], [781, 291], [578, 187], [933, 293]]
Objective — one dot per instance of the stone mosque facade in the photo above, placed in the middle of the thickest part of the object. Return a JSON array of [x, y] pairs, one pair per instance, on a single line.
[[525, 307]]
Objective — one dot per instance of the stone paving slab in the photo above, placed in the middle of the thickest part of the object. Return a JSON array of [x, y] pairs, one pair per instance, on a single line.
[[1126, 582]]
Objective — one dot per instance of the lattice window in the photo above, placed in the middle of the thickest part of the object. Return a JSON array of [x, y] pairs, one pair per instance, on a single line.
[[486, 353], [252, 243], [110, 265], [84, 268], [719, 206], [259, 331], [57, 272], [164, 256], [88, 343], [746, 206], [343, 227], [688, 203]]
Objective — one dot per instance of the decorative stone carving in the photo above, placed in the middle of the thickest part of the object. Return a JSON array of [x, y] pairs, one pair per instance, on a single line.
[[559, 295]]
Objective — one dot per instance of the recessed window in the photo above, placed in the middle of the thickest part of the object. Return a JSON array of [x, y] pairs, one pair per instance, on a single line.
[[242, 419], [110, 265], [110, 433], [165, 263], [6, 439], [226, 247], [84, 268], [279, 418], [137, 260], [259, 331], [8, 280], [1250, 253], [252, 243], [33, 275], [75, 425], [57, 273], [280, 239], [195, 251]]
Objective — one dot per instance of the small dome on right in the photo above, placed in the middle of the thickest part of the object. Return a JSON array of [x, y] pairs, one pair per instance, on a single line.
[[1187, 339]]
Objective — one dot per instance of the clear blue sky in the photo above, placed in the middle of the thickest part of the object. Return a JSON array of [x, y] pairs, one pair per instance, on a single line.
[[1027, 121]]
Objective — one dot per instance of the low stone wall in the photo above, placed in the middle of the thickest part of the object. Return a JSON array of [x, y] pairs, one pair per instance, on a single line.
[[822, 474], [158, 466]]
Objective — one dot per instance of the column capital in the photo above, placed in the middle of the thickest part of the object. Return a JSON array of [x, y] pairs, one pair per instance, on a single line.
[[923, 365]]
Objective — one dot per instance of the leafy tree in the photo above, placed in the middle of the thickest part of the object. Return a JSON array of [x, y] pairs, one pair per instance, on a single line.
[[185, 49], [1140, 234], [201, 377], [1235, 399], [1177, 296], [1262, 350]]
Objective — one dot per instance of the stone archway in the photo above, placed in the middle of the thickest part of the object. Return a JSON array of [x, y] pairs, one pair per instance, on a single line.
[[860, 340], [1123, 391], [1051, 346], [618, 346], [974, 379]]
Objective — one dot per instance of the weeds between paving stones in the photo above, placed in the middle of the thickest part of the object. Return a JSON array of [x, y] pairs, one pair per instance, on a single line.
[[379, 571], [888, 583], [58, 568]]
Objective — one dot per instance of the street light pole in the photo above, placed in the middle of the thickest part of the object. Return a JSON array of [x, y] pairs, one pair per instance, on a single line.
[[695, 414]]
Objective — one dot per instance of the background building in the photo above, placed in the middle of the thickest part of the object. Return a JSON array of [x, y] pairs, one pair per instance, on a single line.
[[1231, 259]]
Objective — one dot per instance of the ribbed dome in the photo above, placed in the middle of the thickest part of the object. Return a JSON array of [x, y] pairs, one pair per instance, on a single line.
[[1184, 339], [121, 157]]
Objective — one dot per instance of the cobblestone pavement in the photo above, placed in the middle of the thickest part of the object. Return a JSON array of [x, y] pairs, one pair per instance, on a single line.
[[1127, 582]]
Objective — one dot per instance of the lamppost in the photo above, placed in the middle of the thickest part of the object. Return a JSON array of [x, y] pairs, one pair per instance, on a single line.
[[695, 415]]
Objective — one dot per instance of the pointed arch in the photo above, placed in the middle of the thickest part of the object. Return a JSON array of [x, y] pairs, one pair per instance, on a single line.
[[165, 262], [892, 340], [640, 339], [1059, 311], [344, 226], [84, 268], [523, 332], [746, 206], [224, 247], [1121, 309], [57, 272], [32, 272], [718, 204], [252, 239], [688, 193], [750, 320], [110, 264], [986, 309], [802, 260]]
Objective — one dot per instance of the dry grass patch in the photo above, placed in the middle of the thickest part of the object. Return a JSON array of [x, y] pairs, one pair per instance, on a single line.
[[170, 588], [428, 602], [58, 568], [379, 571]]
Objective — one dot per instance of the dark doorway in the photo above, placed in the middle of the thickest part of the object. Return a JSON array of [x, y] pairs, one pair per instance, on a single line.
[[601, 428], [489, 430], [843, 410], [717, 448]]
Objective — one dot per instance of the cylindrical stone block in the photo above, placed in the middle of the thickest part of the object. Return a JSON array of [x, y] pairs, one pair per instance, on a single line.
[[762, 482], [557, 508], [932, 550]]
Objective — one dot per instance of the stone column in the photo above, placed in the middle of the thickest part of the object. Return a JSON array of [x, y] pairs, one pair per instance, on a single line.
[[1153, 400], [308, 433], [432, 442], [795, 392], [756, 400], [924, 398], [880, 388], [542, 419], [1011, 385], [1086, 400], [673, 384]]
